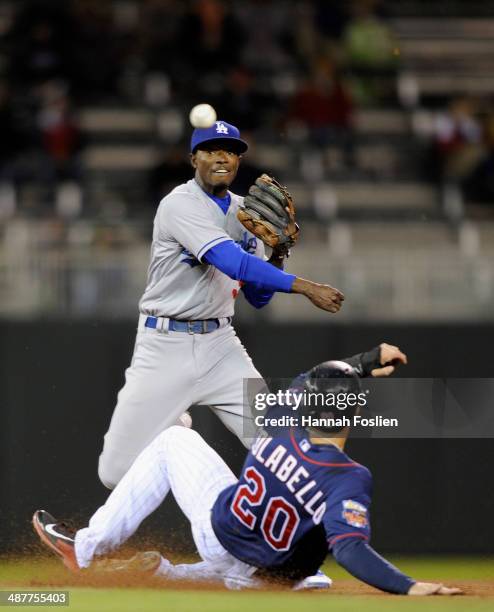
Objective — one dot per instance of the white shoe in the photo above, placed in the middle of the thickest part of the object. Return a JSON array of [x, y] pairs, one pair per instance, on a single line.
[[237, 583], [318, 581]]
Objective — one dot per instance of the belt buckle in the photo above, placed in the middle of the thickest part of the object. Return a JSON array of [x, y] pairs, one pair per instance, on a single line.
[[190, 327], [204, 326]]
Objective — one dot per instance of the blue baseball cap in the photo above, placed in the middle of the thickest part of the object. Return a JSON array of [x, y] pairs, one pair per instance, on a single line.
[[219, 132]]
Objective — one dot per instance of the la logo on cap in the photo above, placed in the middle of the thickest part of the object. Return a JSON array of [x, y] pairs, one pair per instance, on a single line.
[[221, 128]]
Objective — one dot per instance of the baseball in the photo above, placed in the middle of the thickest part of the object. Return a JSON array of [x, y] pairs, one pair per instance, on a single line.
[[202, 116]]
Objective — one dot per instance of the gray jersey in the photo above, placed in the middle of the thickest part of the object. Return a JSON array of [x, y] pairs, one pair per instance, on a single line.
[[187, 224]]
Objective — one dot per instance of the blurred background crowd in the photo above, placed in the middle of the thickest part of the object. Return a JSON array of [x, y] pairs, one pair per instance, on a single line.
[[378, 115]]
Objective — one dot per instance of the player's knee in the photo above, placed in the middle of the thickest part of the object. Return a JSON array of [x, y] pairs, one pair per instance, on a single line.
[[176, 432], [106, 477], [109, 473], [177, 436]]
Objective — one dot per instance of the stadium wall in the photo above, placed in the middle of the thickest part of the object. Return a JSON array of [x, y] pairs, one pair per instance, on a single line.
[[58, 385]]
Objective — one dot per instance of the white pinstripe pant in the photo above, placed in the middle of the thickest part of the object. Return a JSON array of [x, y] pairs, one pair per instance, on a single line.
[[177, 459]]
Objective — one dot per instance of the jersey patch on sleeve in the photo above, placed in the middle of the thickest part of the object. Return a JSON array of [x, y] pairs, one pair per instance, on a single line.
[[249, 245], [355, 514], [189, 258]]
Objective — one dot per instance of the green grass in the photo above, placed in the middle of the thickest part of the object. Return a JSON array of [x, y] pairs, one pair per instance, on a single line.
[[141, 600], [450, 569], [82, 600]]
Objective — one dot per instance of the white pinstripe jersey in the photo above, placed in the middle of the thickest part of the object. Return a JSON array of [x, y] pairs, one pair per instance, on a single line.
[[187, 224]]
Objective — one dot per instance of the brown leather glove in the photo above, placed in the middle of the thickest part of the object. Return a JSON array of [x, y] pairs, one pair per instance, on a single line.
[[269, 213]]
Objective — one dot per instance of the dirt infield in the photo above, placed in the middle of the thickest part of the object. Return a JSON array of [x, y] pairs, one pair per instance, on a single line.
[[478, 588], [63, 579], [111, 592]]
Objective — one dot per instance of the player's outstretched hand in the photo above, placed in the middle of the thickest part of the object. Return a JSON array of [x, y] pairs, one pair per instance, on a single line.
[[390, 357], [323, 296], [432, 588]]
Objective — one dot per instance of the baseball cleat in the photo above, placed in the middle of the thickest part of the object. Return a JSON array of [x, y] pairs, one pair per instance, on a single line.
[[318, 581], [56, 536], [238, 583], [142, 562]]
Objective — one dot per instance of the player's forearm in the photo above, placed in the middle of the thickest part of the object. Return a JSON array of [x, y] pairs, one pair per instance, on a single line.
[[363, 562], [232, 261], [236, 263], [363, 364]]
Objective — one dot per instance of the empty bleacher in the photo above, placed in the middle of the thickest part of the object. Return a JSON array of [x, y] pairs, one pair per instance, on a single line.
[[372, 223]]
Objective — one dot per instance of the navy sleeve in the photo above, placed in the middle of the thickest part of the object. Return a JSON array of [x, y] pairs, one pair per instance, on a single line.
[[348, 506], [363, 562], [236, 263]]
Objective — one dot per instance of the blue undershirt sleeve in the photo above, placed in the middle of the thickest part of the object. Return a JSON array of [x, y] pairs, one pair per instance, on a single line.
[[363, 562], [236, 263], [257, 295]]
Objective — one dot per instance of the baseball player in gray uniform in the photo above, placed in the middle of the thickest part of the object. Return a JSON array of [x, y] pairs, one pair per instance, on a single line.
[[186, 350]]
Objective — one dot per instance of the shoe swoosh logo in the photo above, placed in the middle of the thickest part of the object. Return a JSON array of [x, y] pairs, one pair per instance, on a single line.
[[49, 528]]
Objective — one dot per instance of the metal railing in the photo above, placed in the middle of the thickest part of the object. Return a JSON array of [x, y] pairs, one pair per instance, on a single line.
[[414, 285]]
